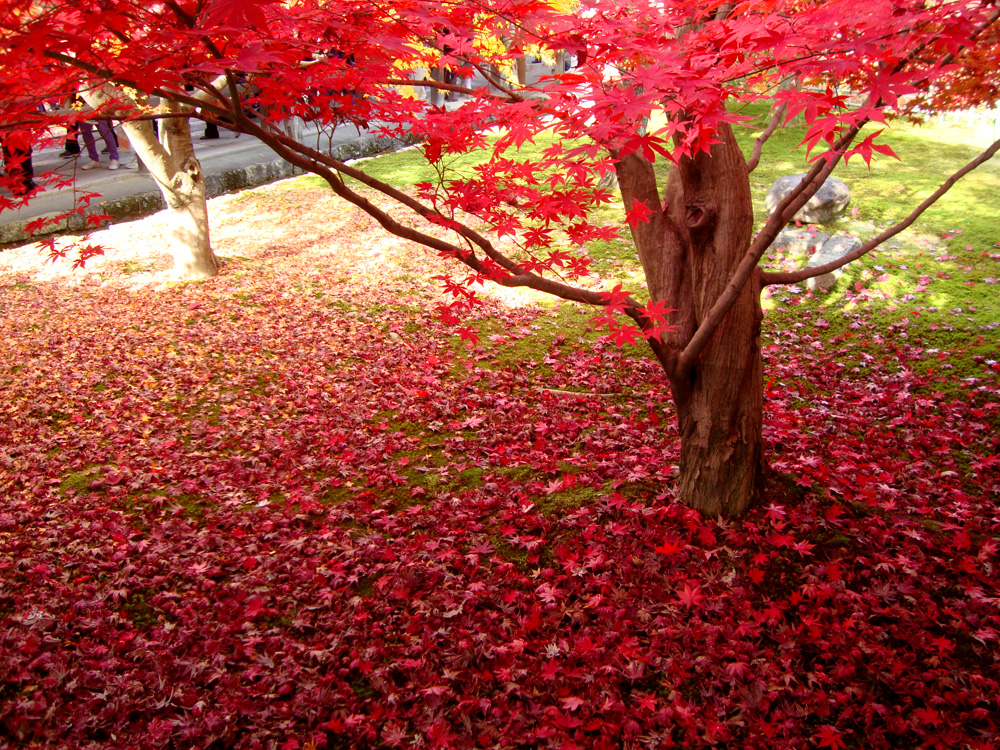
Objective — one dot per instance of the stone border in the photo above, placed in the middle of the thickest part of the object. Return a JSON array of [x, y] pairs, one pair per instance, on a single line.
[[229, 181]]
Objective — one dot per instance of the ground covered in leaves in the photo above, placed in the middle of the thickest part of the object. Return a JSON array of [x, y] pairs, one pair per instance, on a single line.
[[287, 508]]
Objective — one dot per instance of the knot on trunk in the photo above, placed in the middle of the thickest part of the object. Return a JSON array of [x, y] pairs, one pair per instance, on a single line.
[[184, 186], [697, 215], [192, 168]]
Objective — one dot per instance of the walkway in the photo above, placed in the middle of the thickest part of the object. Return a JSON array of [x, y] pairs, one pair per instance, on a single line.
[[229, 164]]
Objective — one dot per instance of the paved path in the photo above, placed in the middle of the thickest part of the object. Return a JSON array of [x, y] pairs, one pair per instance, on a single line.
[[229, 163]]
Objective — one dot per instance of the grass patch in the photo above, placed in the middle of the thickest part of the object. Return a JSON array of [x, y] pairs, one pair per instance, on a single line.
[[78, 481], [138, 609], [937, 280]]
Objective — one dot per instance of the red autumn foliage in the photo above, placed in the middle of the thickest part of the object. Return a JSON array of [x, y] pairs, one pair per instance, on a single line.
[[654, 81], [233, 515]]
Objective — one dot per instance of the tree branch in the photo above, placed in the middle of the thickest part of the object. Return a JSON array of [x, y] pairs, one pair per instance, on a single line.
[[793, 277], [758, 144], [785, 210], [455, 88], [119, 80], [327, 167]]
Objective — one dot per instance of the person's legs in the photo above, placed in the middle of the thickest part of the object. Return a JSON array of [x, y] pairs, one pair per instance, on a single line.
[[71, 147], [17, 160], [87, 131], [107, 133]]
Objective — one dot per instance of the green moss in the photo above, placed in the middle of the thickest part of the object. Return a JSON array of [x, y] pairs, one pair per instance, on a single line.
[[246, 299], [469, 478], [178, 503], [340, 304], [930, 524], [139, 611], [78, 481], [337, 495], [365, 587], [520, 474], [205, 409], [561, 503], [17, 286], [506, 551], [276, 622], [362, 686], [130, 267]]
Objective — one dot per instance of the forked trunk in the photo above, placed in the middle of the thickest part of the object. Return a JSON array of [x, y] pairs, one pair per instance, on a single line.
[[171, 161], [182, 183], [689, 252]]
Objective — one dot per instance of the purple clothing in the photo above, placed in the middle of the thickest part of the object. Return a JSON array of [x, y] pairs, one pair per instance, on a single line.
[[104, 129]]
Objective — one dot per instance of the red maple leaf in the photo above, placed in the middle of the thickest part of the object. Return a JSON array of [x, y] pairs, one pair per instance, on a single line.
[[669, 548], [829, 737], [690, 596], [928, 716], [638, 213]]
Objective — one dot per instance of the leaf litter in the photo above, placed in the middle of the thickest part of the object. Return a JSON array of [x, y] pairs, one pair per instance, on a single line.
[[287, 507]]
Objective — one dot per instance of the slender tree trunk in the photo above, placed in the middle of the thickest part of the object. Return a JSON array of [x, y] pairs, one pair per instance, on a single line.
[[172, 163], [436, 97], [183, 189], [188, 234], [689, 251]]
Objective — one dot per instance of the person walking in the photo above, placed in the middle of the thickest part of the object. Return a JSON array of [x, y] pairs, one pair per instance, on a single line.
[[105, 131]]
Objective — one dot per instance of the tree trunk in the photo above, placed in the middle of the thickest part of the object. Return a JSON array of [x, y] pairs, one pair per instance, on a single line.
[[183, 188], [720, 411], [689, 251], [521, 69], [188, 234], [172, 163]]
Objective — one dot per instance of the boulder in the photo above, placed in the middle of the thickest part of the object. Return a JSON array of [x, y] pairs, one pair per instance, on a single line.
[[797, 240], [829, 202], [834, 248]]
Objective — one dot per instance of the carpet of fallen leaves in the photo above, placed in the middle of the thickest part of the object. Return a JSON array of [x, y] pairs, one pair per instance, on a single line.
[[286, 508]]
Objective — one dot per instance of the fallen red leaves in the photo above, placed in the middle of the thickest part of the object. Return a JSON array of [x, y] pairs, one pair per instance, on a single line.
[[239, 513]]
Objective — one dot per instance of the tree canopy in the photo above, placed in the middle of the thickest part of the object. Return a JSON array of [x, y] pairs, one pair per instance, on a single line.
[[653, 81]]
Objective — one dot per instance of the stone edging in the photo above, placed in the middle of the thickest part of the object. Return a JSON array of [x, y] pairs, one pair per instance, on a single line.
[[230, 181]]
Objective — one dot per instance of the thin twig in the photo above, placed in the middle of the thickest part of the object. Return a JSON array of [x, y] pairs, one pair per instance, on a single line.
[[758, 144]]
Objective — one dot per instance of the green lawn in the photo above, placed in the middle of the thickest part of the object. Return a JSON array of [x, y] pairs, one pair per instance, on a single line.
[[936, 283]]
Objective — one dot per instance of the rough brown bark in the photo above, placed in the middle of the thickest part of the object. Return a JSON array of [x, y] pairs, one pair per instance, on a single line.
[[689, 251]]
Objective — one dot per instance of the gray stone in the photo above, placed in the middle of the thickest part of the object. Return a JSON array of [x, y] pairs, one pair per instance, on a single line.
[[833, 249], [829, 202], [240, 178], [799, 241]]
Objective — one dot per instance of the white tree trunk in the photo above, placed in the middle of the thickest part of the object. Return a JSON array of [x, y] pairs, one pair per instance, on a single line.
[[178, 173], [171, 161], [188, 236]]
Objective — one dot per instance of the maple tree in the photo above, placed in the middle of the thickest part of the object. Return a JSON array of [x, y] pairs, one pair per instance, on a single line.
[[512, 221], [232, 514]]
